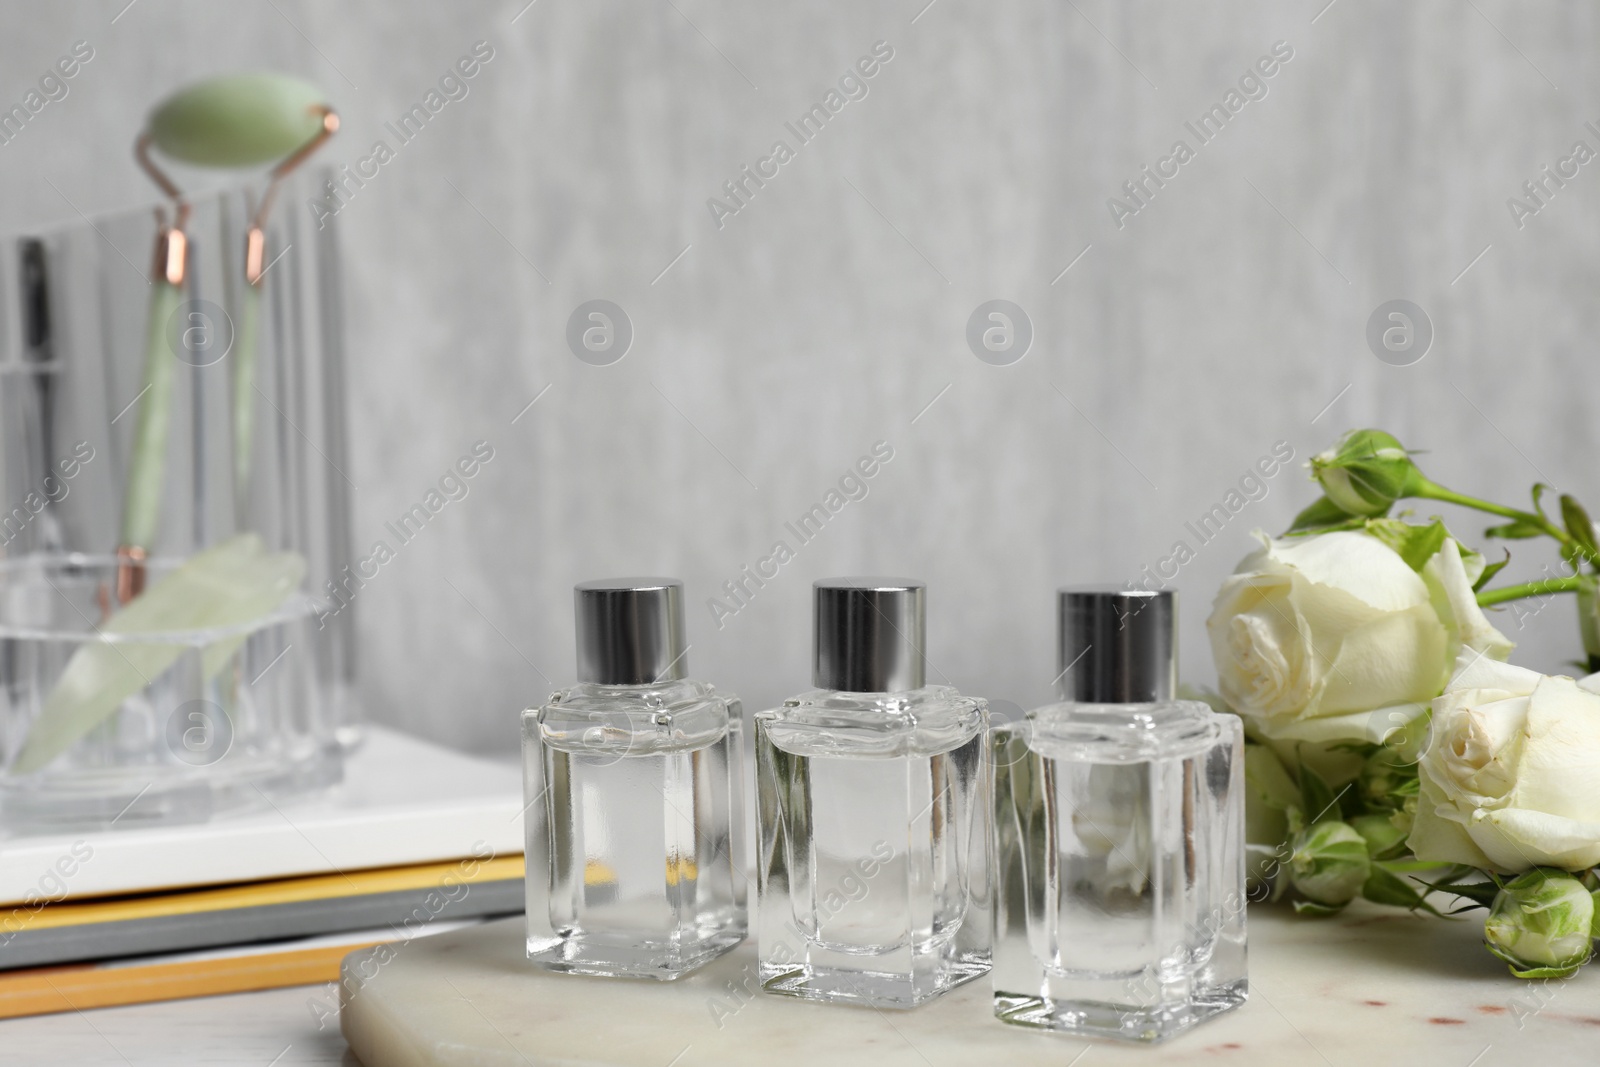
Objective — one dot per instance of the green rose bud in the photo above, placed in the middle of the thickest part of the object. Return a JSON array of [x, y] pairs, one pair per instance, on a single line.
[[1330, 863], [1387, 778], [1366, 472], [1384, 837], [1542, 924]]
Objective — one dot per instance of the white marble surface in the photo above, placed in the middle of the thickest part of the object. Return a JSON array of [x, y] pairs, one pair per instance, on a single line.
[[1374, 986]]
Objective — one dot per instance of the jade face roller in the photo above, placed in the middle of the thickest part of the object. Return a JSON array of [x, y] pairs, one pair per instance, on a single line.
[[227, 122], [242, 120]]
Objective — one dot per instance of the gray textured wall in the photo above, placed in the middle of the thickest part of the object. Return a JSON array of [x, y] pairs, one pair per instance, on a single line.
[[1226, 315]]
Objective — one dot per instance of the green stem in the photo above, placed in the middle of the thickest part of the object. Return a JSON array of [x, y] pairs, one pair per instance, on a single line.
[[1433, 491], [1543, 587]]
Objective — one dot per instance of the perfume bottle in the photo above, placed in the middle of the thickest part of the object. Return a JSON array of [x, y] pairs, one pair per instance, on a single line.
[[873, 873], [1119, 838], [634, 781]]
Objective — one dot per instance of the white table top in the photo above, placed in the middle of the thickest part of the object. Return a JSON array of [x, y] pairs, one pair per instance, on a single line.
[[242, 1030]]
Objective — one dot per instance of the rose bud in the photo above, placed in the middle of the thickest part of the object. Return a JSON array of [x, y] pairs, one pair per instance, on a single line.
[[1330, 863], [1385, 837], [1384, 778], [1366, 472], [1542, 924]]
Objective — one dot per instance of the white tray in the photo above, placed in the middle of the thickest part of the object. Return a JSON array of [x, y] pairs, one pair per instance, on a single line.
[[1372, 986]]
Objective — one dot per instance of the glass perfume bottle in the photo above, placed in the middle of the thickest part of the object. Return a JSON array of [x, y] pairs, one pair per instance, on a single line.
[[1119, 838], [634, 781], [873, 874]]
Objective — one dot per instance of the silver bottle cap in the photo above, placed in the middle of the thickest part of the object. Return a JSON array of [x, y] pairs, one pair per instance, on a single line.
[[870, 634], [630, 630], [1118, 646]]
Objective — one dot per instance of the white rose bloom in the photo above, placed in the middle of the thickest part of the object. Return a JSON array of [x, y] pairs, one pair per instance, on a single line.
[[1449, 580], [1333, 637], [1511, 776]]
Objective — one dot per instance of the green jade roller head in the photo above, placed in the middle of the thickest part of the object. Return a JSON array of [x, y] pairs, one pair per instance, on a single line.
[[242, 120], [237, 120]]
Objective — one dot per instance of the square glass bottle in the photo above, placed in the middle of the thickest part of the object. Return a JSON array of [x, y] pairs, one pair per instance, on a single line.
[[873, 873], [1119, 838], [635, 784]]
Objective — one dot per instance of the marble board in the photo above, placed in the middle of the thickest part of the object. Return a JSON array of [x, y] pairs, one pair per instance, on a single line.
[[1371, 986]]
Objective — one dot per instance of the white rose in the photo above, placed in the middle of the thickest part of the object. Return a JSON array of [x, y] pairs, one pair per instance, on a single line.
[[1334, 637], [1511, 776]]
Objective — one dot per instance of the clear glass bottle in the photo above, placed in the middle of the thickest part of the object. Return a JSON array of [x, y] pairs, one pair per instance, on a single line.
[[1119, 838], [873, 873], [635, 784]]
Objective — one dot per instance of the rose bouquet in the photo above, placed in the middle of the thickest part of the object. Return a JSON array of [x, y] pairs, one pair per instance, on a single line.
[[1392, 749]]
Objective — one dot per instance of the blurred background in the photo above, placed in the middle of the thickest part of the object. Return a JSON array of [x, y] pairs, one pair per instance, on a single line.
[[1176, 339]]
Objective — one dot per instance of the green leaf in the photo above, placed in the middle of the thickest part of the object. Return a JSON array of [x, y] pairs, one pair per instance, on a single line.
[[1320, 803], [1578, 524], [1514, 531], [1482, 894], [1414, 544], [1519, 971], [1385, 887], [1350, 802], [1457, 871], [1541, 972], [1538, 491], [1413, 866], [1310, 907], [1322, 516], [1489, 571], [1464, 909]]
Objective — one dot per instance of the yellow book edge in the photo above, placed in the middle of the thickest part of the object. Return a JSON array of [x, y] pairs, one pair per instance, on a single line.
[[260, 894], [76, 988]]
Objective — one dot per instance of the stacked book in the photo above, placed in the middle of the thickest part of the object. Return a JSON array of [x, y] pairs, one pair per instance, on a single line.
[[416, 840]]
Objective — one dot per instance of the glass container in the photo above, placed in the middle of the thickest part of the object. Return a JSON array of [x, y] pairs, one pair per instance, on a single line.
[[249, 452], [635, 788], [1119, 837], [873, 868]]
